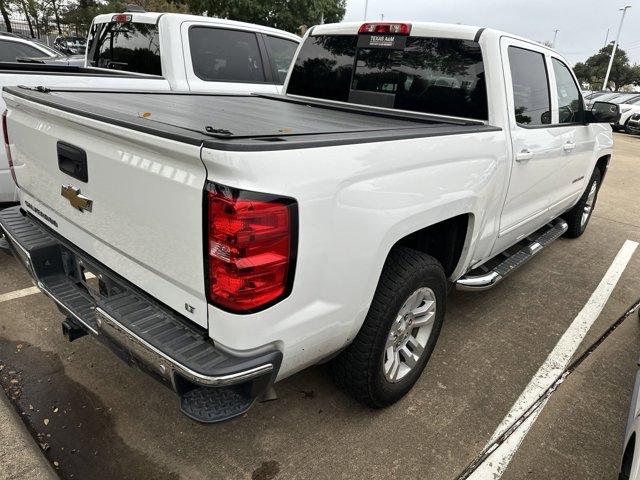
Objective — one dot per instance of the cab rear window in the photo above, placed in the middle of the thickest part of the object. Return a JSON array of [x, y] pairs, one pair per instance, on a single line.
[[422, 74], [127, 46]]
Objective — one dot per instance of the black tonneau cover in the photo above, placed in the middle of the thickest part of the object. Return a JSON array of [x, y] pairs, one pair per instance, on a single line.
[[245, 122]]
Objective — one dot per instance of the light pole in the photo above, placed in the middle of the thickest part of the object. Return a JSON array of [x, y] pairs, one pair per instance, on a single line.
[[366, 7], [555, 35], [606, 38], [615, 47]]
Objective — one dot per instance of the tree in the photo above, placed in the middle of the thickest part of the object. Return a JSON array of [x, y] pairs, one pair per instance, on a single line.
[[56, 14], [283, 14], [25, 12], [5, 15], [594, 69]]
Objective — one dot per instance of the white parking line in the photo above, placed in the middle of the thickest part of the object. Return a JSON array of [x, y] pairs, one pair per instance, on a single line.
[[25, 292], [5, 297], [496, 464]]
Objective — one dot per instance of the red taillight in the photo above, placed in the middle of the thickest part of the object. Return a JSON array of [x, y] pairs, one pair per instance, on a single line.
[[386, 28], [7, 147], [121, 18], [251, 247]]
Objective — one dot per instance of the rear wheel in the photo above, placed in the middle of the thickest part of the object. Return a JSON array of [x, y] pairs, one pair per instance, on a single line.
[[578, 217], [399, 333]]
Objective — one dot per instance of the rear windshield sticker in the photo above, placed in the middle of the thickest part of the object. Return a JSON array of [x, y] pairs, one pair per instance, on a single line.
[[396, 42]]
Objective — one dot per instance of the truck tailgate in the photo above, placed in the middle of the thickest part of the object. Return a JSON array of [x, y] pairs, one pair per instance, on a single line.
[[145, 218]]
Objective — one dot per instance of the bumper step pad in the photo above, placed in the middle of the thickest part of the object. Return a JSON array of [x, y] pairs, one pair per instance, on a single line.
[[212, 405], [214, 385]]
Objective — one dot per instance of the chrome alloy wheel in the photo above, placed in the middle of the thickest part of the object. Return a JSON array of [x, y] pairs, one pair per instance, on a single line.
[[409, 334], [588, 206]]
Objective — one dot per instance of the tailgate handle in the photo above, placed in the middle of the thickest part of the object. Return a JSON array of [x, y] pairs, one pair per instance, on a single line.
[[73, 161]]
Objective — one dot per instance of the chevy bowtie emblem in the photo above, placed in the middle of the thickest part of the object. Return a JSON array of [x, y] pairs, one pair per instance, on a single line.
[[76, 200]]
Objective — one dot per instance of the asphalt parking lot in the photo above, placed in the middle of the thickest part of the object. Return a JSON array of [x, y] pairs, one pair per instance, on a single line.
[[97, 418]]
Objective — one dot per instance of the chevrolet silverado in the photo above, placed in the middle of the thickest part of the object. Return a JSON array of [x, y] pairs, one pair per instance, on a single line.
[[223, 243]]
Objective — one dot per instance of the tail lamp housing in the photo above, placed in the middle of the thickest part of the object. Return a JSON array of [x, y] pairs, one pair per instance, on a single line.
[[251, 245], [7, 147]]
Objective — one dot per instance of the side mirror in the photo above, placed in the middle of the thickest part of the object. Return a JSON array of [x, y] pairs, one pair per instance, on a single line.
[[604, 112]]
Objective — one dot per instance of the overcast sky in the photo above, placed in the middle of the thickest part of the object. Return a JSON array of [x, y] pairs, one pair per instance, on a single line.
[[582, 23]]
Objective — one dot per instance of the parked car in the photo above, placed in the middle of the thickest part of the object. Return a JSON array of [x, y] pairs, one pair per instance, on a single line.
[[14, 48], [633, 124], [71, 45], [609, 97], [591, 96], [18, 48], [628, 106], [236, 240], [199, 54]]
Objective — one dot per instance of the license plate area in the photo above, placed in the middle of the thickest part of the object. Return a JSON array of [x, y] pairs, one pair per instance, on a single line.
[[89, 277]]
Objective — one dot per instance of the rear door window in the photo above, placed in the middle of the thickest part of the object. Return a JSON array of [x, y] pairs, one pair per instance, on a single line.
[[128, 46], [281, 52], [222, 55], [422, 74], [531, 97]]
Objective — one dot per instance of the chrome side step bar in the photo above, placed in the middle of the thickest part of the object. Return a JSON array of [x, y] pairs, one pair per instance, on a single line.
[[497, 274]]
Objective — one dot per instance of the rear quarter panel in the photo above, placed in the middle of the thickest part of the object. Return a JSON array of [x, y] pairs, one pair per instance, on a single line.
[[355, 203]]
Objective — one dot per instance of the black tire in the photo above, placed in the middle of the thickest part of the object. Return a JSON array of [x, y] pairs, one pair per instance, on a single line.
[[626, 127], [359, 368], [574, 216]]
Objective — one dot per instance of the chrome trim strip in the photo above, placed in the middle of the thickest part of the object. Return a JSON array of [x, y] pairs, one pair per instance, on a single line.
[[137, 342]]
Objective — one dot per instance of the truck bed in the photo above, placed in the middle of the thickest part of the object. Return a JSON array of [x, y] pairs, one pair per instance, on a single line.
[[246, 122]]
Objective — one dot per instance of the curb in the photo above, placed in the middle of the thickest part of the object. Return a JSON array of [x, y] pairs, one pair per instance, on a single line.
[[20, 457]]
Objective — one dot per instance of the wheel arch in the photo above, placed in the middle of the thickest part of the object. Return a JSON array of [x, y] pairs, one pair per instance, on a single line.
[[602, 164], [445, 240], [627, 457]]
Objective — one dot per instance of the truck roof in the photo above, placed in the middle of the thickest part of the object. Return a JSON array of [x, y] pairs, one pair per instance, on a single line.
[[420, 29], [423, 29], [179, 18], [245, 122]]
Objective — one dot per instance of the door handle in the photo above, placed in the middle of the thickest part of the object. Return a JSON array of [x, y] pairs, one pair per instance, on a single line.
[[567, 147], [524, 155]]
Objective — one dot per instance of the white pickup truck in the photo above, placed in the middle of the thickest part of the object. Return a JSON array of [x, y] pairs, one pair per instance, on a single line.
[[235, 240], [146, 51]]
